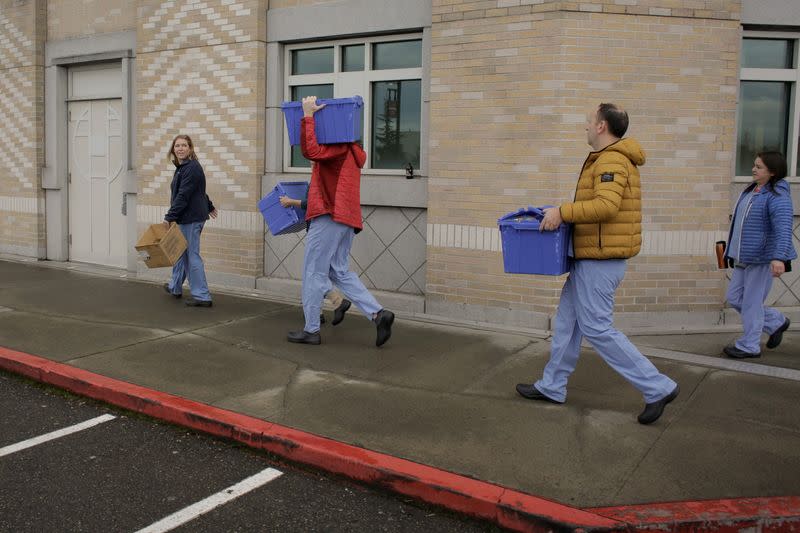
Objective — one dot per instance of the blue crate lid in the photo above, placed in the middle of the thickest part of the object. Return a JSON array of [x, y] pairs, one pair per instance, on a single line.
[[296, 190], [353, 100], [525, 218]]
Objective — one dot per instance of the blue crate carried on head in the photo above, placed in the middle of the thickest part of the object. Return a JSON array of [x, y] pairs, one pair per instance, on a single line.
[[526, 250], [338, 122], [282, 220]]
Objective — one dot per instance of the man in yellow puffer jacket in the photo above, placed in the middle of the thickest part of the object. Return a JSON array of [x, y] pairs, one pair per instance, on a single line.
[[607, 230]]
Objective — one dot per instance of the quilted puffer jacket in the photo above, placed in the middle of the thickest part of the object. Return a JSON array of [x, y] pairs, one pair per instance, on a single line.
[[607, 211], [766, 227]]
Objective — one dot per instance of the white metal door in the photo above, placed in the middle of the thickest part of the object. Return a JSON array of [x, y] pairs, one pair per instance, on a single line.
[[96, 222]]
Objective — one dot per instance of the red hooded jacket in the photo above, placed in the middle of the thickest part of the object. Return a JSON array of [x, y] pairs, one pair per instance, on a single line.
[[335, 178]]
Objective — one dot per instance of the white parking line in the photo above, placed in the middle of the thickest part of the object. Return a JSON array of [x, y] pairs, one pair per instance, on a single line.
[[215, 500], [54, 435]]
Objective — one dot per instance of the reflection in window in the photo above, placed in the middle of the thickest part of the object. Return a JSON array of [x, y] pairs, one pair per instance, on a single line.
[[312, 61], [396, 111], [400, 54], [767, 53], [298, 93], [353, 58], [763, 121]]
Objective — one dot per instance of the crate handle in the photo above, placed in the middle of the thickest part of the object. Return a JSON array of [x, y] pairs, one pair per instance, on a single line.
[[535, 212]]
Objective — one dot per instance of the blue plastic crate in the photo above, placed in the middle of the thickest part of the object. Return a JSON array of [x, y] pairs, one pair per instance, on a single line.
[[526, 250], [338, 122], [282, 220]]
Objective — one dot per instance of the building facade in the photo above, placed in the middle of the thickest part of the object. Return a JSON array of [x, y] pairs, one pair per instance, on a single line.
[[473, 108]]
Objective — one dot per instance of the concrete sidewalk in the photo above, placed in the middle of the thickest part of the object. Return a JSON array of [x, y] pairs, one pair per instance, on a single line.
[[441, 396]]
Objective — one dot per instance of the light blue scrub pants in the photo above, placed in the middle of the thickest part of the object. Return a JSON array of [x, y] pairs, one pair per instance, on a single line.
[[586, 309], [749, 287], [326, 261], [190, 264]]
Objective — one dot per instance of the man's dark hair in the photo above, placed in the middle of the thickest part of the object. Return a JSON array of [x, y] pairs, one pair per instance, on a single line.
[[615, 117], [775, 163]]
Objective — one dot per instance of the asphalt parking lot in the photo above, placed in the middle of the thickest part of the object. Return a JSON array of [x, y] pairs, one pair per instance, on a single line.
[[71, 464]]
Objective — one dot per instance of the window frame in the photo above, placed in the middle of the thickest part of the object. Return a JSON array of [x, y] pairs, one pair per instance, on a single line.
[[368, 75], [788, 75]]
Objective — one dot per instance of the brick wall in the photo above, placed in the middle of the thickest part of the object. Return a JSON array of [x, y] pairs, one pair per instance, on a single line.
[[200, 71], [511, 83], [68, 19], [22, 225]]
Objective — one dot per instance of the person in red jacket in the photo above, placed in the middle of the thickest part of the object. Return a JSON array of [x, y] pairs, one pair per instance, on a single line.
[[334, 216]]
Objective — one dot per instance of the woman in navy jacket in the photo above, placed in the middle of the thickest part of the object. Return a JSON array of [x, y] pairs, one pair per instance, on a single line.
[[190, 207], [760, 248]]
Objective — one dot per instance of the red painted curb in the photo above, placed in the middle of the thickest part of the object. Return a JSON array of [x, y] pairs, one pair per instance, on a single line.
[[506, 507], [735, 514]]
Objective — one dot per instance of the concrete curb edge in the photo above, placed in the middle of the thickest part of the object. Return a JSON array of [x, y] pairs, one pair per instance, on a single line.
[[506, 507]]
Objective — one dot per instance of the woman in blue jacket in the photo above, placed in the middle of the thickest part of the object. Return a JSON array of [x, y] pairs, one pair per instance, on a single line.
[[189, 207], [760, 248]]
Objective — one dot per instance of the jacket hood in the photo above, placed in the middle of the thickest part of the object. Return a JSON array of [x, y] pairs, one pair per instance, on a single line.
[[359, 154], [630, 148], [782, 185]]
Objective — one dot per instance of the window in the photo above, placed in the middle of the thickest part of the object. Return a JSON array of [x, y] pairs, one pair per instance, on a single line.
[[386, 72], [768, 114]]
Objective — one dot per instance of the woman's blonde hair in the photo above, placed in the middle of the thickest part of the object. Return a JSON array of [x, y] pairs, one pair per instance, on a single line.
[[171, 154]]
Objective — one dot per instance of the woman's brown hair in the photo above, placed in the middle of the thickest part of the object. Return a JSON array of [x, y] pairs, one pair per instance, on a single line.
[[776, 164], [171, 154]]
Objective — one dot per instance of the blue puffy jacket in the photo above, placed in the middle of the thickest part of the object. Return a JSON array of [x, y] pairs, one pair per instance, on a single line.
[[767, 226]]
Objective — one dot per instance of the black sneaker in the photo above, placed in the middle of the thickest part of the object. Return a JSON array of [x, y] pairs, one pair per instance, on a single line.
[[653, 411], [532, 393], [338, 314], [384, 322], [166, 288], [735, 353], [776, 338], [304, 337], [191, 302]]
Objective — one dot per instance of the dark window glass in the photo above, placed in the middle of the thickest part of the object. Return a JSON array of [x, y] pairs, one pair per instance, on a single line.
[[312, 61], [396, 111], [298, 93], [763, 121], [353, 58], [400, 54], [767, 53]]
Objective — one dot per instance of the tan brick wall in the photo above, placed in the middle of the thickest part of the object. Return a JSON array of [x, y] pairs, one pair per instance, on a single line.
[[274, 4], [200, 71], [68, 19], [446, 10], [511, 82], [22, 228]]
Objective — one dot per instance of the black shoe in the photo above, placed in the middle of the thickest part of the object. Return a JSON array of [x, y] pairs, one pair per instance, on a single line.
[[532, 393], [304, 337], [776, 338], [191, 302], [653, 411], [734, 352], [384, 322], [166, 288], [338, 314]]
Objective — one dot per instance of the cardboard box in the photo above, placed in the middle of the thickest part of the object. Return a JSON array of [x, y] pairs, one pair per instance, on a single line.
[[161, 247]]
